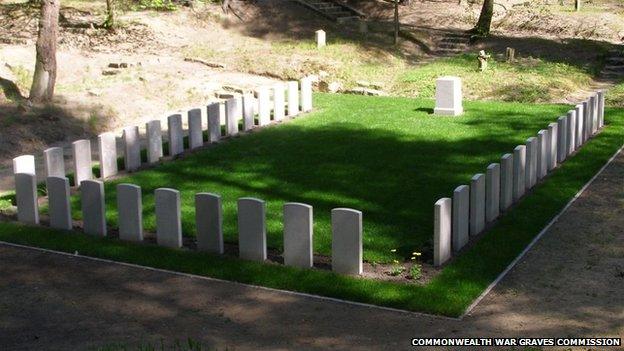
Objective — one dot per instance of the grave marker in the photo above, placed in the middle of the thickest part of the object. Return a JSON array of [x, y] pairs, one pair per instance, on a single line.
[[531, 162], [264, 106], [24, 164], [248, 111], [209, 222], [233, 112], [506, 181], [298, 235], [278, 101], [492, 192], [93, 208], [154, 141], [477, 204], [542, 153], [54, 162], [175, 133], [81, 150], [58, 203], [519, 174], [347, 241], [448, 96], [130, 210], [293, 98], [132, 148], [252, 229], [214, 122], [168, 219], [461, 217], [196, 132], [26, 198], [442, 231]]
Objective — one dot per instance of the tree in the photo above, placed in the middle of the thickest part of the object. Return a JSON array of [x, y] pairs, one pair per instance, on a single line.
[[42, 89], [485, 19], [109, 22]]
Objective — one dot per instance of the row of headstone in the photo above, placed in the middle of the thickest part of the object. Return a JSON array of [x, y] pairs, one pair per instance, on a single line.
[[298, 221], [289, 99], [475, 206]]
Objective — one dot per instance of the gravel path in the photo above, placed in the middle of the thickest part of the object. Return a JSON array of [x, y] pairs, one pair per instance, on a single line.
[[570, 284]]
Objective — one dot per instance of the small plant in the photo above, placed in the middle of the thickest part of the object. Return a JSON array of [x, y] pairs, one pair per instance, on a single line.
[[415, 272], [397, 269]]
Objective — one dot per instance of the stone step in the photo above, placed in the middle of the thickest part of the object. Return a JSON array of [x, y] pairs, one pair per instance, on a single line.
[[452, 46], [613, 68], [615, 60], [455, 40]]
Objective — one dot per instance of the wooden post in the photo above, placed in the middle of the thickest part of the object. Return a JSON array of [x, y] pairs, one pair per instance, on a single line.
[[396, 22]]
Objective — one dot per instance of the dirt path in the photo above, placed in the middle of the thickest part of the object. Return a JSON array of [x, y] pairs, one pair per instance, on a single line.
[[570, 284]]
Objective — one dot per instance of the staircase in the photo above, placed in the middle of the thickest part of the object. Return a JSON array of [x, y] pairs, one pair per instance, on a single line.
[[614, 66], [452, 43], [333, 10]]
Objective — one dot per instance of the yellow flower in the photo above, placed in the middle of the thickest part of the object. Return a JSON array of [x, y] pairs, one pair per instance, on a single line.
[[413, 258], [416, 253], [395, 261], [393, 250]]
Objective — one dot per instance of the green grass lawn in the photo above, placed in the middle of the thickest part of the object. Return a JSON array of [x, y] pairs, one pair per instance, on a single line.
[[388, 157], [459, 283]]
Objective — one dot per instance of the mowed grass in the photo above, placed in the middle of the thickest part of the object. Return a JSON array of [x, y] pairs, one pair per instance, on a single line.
[[387, 157], [449, 293]]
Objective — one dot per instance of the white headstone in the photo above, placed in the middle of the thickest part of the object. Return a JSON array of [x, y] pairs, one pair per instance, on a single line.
[[320, 38], [578, 138], [209, 222], [306, 94], [24, 164], [506, 181], [248, 111], [461, 216], [168, 219], [553, 145], [586, 126], [233, 112], [519, 174], [477, 204], [58, 203], [346, 241], [492, 192], [132, 148], [252, 229], [81, 150], [279, 102], [130, 212], [442, 231], [214, 122], [175, 133], [264, 106], [196, 132], [54, 162], [531, 162], [601, 107], [571, 131], [93, 208], [293, 98], [542, 153], [298, 229], [26, 198], [593, 102], [107, 152], [562, 140], [448, 96], [154, 141]]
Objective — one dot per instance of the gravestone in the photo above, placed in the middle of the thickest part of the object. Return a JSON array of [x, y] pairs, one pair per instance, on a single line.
[[154, 141], [209, 222], [196, 133], [448, 96], [93, 208], [442, 231], [492, 192], [570, 132], [594, 115], [306, 94], [293, 98], [81, 150], [320, 38], [477, 204], [562, 128], [58, 203], [506, 181], [578, 137], [519, 174], [553, 145], [54, 162], [248, 111], [175, 133], [24, 164], [233, 112], [531, 162], [586, 126], [542, 153], [26, 198], [601, 106], [214, 122], [168, 219], [107, 153], [130, 210], [278, 101], [347, 241], [252, 229], [264, 106], [132, 148], [461, 217], [298, 235]]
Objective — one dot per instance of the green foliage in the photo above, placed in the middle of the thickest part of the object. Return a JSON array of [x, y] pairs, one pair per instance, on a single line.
[[415, 271], [157, 5]]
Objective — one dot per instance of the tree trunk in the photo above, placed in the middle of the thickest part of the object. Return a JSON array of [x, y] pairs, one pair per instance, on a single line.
[[44, 78], [110, 15], [485, 19], [396, 22], [577, 5]]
